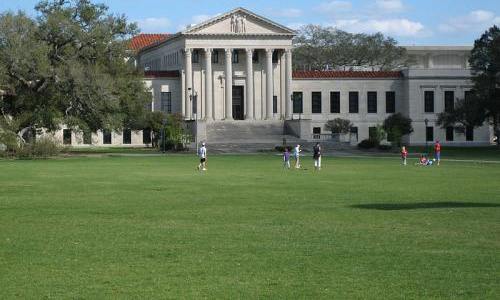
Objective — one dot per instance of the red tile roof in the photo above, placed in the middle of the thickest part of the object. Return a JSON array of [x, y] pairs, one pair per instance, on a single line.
[[154, 74], [346, 74], [145, 39]]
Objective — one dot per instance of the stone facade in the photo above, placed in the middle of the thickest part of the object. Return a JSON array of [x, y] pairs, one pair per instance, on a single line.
[[238, 66]]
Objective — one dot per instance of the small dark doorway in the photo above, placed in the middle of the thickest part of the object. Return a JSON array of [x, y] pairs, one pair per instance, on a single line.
[[238, 100]]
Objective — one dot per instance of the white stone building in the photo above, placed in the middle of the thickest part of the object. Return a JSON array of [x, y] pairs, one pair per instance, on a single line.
[[235, 70]]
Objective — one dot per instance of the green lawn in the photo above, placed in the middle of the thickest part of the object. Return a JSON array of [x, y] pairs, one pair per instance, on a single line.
[[154, 228]]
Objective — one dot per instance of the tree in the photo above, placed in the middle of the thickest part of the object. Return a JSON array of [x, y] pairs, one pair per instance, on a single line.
[[466, 112], [485, 64], [377, 134], [68, 66], [339, 125], [325, 48], [158, 121], [396, 126]]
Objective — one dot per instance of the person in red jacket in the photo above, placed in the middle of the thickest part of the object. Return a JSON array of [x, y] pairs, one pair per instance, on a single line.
[[404, 154], [437, 152]]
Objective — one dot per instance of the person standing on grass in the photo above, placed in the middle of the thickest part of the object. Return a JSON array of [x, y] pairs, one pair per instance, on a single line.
[[286, 159], [404, 155], [317, 156], [296, 154], [437, 152], [203, 157]]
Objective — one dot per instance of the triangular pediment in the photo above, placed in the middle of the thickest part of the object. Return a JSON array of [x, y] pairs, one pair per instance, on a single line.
[[239, 22]]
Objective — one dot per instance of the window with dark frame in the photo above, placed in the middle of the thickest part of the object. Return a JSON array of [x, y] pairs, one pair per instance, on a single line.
[[255, 57], [67, 136], [215, 57], [317, 133], [195, 57], [429, 133], [335, 102], [127, 136], [449, 133], [106, 137], [429, 101], [372, 131], [236, 57], [353, 102], [469, 133], [166, 102], [354, 130], [146, 136], [449, 101], [390, 102], [371, 99], [275, 57], [275, 104], [87, 138], [297, 103], [316, 102]]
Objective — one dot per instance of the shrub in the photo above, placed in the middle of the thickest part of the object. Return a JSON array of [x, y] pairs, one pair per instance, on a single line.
[[282, 148], [367, 144], [42, 147]]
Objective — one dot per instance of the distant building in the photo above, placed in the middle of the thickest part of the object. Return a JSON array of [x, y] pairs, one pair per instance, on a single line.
[[237, 67]]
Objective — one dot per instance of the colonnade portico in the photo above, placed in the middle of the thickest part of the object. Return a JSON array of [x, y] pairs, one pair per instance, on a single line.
[[210, 107]]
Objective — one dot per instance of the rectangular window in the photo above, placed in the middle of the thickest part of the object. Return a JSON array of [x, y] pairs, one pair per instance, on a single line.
[[235, 56], [275, 57], [449, 133], [146, 136], [372, 130], [467, 94], [87, 138], [149, 104], [166, 102], [429, 101], [67, 136], [215, 57], [335, 102], [127, 136], [255, 57], [372, 102], [275, 104], [429, 133], [317, 133], [469, 133], [354, 132], [449, 101], [390, 102], [316, 102], [353, 102], [106, 137], [297, 103], [195, 57]]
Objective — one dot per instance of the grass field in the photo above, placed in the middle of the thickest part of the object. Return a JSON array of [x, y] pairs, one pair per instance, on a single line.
[[154, 228]]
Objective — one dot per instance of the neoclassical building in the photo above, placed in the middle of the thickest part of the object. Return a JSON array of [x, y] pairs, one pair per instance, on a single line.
[[234, 71]]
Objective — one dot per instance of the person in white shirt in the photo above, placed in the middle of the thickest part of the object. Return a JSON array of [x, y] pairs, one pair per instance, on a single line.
[[296, 155], [203, 157]]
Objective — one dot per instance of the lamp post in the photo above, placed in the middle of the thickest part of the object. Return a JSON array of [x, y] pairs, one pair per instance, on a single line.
[[426, 121]]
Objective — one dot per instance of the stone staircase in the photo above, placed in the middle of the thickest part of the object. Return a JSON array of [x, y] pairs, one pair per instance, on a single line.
[[247, 136]]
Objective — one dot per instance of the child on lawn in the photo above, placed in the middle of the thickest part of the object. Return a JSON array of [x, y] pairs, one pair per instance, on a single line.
[[404, 155], [286, 159]]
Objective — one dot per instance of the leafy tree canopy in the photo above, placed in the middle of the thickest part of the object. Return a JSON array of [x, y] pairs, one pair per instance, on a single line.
[[339, 125], [396, 126], [485, 65], [328, 48], [68, 66]]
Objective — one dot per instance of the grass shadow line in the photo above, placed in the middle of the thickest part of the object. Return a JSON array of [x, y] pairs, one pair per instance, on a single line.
[[423, 205]]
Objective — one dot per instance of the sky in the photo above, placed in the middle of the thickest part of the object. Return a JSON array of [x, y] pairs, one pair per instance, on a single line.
[[410, 22]]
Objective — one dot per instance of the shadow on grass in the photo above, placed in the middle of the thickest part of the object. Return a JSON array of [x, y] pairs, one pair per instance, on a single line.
[[423, 205]]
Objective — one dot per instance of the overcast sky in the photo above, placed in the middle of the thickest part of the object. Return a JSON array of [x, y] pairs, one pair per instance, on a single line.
[[424, 22]]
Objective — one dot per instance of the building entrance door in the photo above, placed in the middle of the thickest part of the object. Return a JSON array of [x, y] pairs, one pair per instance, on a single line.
[[238, 100]]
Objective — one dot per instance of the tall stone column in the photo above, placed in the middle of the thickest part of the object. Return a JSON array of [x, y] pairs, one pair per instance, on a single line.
[[269, 84], [208, 84], [229, 84], [249, 84], [288, 89], [189, 82]]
